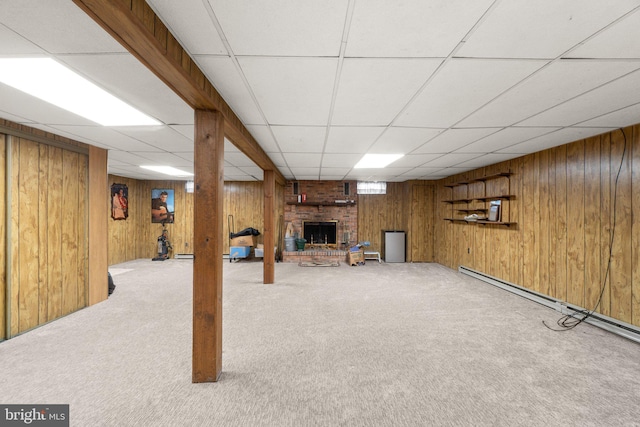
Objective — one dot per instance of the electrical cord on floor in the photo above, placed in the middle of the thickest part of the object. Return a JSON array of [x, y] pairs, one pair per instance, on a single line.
[[568, 321]]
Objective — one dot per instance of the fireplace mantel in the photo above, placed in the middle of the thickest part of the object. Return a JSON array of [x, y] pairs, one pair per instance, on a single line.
[[349, 203]]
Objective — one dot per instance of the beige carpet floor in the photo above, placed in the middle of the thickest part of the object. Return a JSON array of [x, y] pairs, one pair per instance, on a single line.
[[375, 345]]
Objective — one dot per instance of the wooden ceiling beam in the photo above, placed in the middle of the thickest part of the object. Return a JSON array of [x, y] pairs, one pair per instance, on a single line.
[[136, 27]]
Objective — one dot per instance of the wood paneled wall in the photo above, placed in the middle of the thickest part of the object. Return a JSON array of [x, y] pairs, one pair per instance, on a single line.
[[567, 200], [137, 236], [49, 235], [3, 235], [407, 206]]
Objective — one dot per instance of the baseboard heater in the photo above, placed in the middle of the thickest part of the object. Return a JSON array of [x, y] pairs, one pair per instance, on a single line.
[[596, 319], [183, 256]]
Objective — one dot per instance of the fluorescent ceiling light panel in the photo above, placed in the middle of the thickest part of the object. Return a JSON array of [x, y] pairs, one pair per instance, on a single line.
[[52, 82], [376, 161], [167, 170]]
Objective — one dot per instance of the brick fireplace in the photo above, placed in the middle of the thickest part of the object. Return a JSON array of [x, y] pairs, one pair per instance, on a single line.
[[327, 202]]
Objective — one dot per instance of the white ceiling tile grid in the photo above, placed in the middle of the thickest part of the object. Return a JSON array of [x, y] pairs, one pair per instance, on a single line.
[[451, 84]]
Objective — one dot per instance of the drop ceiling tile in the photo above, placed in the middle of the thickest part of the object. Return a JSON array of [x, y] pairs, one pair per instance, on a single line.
[[14, 118], [603, 100], [165, 159], [503, 139], [282, 28], [300, 139], [125, 77], [106, 136], [351, 139], [341, 160], [334, 171], [461, 87], [13, 44], [411, 28], [292, 91], [161, 137], [328, 177], [277, 159], [49, 27], [127, 158], [238, 159], [453, 139], [229, 147], [303, 160], [189, 22], [263, 137], [620, 118], [415, 160], [554, 139], [33, 109], [449, 160], [372, 91], [233, 171], [620, 40], [227, 80], [188, 131], [550, 86], [397, 140], [306, 171], [488, 159], [254, 171], [541, 29]]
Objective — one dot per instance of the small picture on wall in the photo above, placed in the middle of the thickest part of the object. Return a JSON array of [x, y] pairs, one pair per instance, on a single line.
[[162, 205], [119, 201]]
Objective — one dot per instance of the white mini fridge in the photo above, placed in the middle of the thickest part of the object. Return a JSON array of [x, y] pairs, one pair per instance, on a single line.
[[394, 246]]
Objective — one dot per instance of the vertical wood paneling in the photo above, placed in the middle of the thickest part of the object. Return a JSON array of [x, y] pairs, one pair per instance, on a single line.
[[55, 202], [422, 215], [575, 223], [28, 301], [605, 222], [43, 234], [15, 242], [529, 255], [635, 238], [543, 220], [3, 235], [564, 208], [553, 221], [69, 232], [592, 224], [621, 261], [561, 223], [516, 215], [82, 233]]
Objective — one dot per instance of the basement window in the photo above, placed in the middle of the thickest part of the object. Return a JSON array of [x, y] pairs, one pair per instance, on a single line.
[[372, 187]]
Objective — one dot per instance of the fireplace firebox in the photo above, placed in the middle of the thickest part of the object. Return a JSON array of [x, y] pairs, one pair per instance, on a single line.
[[320, 232]]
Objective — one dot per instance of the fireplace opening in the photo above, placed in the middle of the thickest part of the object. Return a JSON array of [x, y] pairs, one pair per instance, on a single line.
[[320, 232]]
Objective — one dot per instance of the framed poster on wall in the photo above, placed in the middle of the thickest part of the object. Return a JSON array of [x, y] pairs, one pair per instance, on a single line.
[[119, 201], [162, 206]]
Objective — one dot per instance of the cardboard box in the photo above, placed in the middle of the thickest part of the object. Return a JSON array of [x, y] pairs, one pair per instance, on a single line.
[[242, 241], [239, 251], [355, 258]]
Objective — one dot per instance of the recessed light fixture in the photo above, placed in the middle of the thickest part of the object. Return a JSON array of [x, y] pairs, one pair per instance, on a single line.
[[168, 170], [373, 161], [52, 82]]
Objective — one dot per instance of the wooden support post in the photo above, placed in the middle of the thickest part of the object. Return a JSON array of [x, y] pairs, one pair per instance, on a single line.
[[208, 246], [269, 226]]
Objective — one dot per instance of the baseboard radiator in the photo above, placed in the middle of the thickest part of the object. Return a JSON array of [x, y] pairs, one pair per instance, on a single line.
[[596, 319]]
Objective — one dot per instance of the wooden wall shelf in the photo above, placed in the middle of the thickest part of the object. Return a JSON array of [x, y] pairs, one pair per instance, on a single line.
[[322, 203], [483, 199]]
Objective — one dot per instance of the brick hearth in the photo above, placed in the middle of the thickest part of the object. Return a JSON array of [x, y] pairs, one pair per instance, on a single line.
[[315, 255]]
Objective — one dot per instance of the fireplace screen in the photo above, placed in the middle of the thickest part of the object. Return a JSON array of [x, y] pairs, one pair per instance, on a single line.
[[320, 232]]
